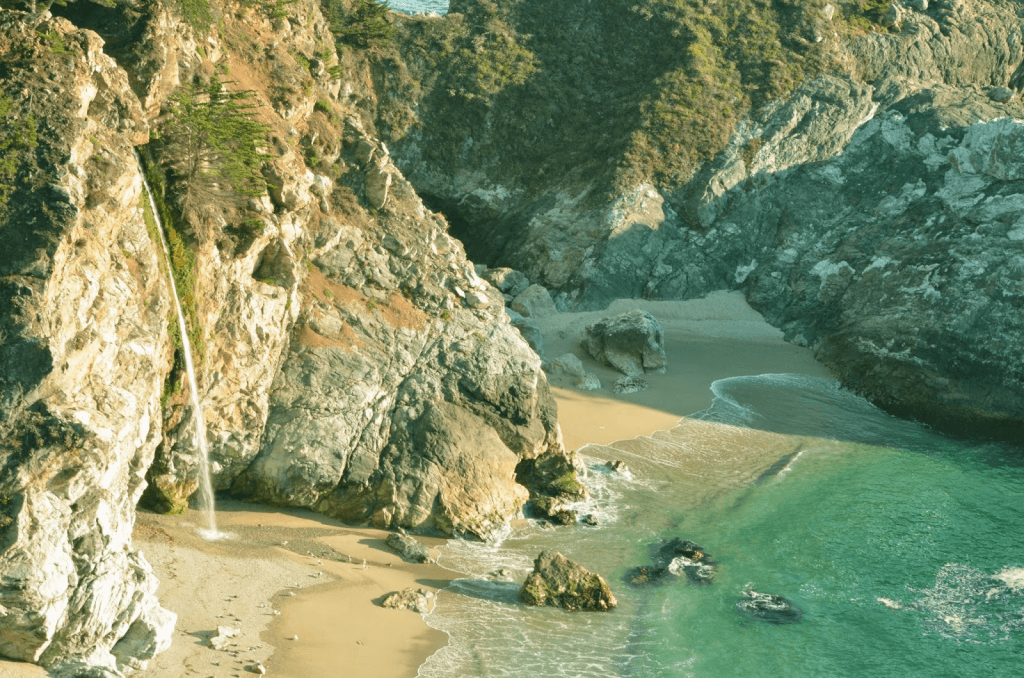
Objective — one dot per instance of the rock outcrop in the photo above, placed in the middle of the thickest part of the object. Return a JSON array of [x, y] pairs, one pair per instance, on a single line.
[[678, 557], [417, 600], [870, 211], [408, 548], [559, 582], [349, 358], [83, 351], [631, 342]]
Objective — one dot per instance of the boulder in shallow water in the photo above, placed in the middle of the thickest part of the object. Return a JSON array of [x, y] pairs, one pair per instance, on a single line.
[[683, 557], [631, 342], [769, 608], [560, 582], [646, 575]]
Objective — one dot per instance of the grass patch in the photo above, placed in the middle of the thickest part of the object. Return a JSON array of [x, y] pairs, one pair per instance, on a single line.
[[18, 142]]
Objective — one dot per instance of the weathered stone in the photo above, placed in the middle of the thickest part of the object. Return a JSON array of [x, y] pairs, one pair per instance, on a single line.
[[417, 600], [224, 637], [567, 364], [528, 330], [507, 280], [560, 582], [534, 302], [378, 182], [617, 465], [631, 342], [408, 548], [83, 350], [477, 300], [630, 385], [684, 558]]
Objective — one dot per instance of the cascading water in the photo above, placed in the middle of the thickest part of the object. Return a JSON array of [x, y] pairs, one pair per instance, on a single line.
[[205, 484]]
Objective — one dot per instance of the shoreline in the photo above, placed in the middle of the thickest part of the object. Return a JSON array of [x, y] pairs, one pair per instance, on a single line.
[[707, 339]]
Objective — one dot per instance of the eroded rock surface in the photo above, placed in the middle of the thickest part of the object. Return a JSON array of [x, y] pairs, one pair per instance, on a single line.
[[560, 582], [83, 350], [631, 342], [872, 212]]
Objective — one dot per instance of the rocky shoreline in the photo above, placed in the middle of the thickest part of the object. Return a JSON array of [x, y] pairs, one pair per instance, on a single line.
[[353, 360]]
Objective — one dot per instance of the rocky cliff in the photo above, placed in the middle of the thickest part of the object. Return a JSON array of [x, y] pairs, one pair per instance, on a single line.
[[82, 357], [849, 165], [349, 358]]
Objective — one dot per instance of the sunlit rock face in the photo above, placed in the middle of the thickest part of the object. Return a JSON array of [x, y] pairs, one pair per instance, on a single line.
[[83, 351]]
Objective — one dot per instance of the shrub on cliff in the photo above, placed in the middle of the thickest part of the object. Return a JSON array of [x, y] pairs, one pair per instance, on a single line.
[[212, 146], [364, 23]]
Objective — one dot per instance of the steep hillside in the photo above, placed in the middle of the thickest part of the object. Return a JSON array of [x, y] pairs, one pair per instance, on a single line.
[[621, 150]]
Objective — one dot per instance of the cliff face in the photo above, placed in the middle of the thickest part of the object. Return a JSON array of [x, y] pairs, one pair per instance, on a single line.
[[898, 114], [82, 358], [349, 358]]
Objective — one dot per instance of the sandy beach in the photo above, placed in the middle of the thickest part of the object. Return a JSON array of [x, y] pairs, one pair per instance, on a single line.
[[295, 586], [293, 582], [706, 339]]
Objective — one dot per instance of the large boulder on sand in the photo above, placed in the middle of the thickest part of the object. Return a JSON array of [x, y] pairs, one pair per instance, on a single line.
[[409, 548], [558, 581], [631, 342], [534, 302]]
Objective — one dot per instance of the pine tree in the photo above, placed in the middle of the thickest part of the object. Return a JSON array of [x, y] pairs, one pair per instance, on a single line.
[[365, 24], [213, 146]]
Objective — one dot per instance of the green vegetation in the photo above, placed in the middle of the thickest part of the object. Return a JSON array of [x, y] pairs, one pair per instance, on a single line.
[[56, 40], [363, 23], [611, 94], [567, 484], [212, 148], [197, 13], [183, 267], [36, 7], [18, 141]]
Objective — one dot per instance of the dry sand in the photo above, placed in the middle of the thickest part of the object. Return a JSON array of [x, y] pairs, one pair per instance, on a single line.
[[273, 559], [706, 339], [286, 573]]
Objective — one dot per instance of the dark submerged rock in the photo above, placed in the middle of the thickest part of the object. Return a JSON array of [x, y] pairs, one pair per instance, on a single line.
[[646, 575], [769, 608]]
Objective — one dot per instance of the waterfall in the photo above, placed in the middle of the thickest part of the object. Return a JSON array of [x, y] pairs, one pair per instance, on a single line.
[[205, 484]]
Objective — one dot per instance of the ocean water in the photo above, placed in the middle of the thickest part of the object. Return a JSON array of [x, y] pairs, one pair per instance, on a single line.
[[413, 6], [904, 549]]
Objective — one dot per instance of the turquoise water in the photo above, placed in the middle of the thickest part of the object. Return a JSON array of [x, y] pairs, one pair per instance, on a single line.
[[413, 6], [904, 548]]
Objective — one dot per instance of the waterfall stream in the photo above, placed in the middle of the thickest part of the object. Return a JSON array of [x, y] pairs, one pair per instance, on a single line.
[[205, 483]]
